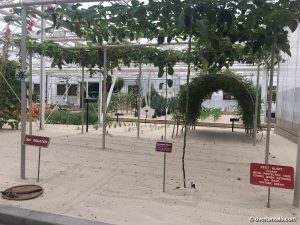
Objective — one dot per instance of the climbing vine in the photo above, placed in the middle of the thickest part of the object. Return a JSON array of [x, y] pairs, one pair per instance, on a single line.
[[205, 84]]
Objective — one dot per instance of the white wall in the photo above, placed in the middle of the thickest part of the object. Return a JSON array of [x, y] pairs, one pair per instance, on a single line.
[[288, 98]]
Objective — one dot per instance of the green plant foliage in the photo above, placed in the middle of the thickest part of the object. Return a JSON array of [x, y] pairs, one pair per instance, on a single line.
[[220, 29], [119, 84], [67, 117], [205, 113], [205, 84], [120, 101], [159, 102], [216, 113], [8, 99]]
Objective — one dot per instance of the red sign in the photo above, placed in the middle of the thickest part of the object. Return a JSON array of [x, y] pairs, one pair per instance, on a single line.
[[163, 147], [272, 175], [37, 141]]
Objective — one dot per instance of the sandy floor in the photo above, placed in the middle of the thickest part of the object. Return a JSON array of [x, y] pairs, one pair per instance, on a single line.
[[123, 184]]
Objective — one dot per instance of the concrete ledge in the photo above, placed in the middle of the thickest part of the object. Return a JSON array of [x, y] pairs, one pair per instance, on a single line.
[[17, 216], [286, 134]]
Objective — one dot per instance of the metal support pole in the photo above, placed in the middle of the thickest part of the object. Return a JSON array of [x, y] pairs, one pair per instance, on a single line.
[[82, 101], [297, 177], [46, 89], [100, 98], [269, 112], [166, 102], [104, 96], [149, 90], [39, 163], [23, 92], [30, 94], [42, 76], [256, 106], [164, 182], [87, 86], [87, 115], [139, 100]]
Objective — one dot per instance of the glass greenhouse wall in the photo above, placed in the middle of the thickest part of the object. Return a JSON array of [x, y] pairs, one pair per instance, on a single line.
[[288, 99]]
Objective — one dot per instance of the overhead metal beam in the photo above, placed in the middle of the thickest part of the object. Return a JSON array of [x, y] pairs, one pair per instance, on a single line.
[[130, 45], [45, 2], [65, 39]]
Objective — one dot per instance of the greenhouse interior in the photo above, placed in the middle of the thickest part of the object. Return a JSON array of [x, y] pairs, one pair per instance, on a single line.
[[170, 112]]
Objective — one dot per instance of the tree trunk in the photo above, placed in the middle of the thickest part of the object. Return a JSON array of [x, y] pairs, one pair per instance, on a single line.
[[173, 129], [187, 103]]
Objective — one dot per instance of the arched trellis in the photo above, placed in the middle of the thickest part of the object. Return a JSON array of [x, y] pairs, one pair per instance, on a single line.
[[205, 84]]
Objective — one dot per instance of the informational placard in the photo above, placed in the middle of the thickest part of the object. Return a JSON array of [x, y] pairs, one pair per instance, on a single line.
[[163, 147], [38, 141], [272, 175]]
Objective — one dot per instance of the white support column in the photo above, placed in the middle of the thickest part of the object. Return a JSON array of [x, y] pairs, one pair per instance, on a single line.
[[256, 106], [139, 100], [42, 76], [297, 178], [100, 99], [104, 96], [149, 90], [23, 92], [111, 90], [30, 94], [263, 96]]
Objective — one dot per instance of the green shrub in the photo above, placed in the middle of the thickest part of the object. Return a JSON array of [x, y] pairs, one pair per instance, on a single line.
[[207, 112], [65, 117], [216, 113]]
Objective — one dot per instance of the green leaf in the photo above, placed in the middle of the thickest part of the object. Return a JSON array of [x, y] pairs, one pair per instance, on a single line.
[[202, 27], [180, 21], [54, 19], [293, 24], [169, 39], [135, 3], [8, 19], [225, 17], [205, 64], [100, 39], [161, 73], [170, 70], [161, 86], [131, 36], [160, 40], [170, 83]]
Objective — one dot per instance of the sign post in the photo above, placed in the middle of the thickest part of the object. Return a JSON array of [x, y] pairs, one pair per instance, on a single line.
[[272, 176], [40, 142], [38, 179], [165, 148]]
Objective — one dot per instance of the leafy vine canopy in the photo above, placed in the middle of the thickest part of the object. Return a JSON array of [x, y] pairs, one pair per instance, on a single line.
[[205, 84], [223, 32]]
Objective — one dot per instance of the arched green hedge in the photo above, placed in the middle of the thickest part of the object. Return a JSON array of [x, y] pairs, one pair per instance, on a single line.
[[205, 84]]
